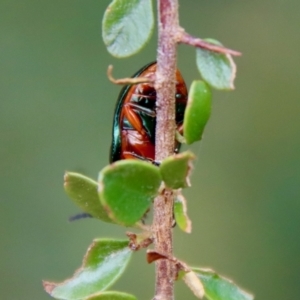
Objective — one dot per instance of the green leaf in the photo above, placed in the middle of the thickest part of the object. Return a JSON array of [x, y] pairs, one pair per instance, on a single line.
[[220, 288], [197, 111], [127, 26], [175, 170], [111, 295], [84, 192], [180, 214], [217, 69], [102, 265], [127, 189]]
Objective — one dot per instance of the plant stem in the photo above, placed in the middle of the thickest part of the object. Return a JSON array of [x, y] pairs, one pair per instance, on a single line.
[[186, 38], [164, 141]]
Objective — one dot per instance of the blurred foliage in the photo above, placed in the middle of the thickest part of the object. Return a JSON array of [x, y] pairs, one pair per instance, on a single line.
[[56, 108]]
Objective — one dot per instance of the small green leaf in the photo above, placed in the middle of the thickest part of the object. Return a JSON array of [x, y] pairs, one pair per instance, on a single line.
[[111, 295], [217, 69], [195, 285], [197, 111], [84, 192], [127, 189], [180, 214], [175, 170], [127, 26], [220, 288], [102, 265]]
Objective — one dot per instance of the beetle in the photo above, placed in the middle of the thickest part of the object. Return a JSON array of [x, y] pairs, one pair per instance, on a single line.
[[135, 118]]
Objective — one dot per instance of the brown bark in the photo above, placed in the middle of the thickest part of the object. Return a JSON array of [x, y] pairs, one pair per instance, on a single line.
[[165, 133]]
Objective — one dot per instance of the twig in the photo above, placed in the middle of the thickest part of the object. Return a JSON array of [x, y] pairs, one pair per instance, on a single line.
[[186, 38]]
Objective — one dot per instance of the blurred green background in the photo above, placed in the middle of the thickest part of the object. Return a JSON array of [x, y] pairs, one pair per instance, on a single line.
[[56, 108]]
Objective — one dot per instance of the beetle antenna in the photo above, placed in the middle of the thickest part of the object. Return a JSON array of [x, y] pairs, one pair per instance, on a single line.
[[80, 216]]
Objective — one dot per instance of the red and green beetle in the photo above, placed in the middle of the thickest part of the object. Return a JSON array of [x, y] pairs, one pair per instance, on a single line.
[[135, 118]]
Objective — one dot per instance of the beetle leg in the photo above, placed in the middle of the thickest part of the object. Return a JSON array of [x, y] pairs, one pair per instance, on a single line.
[[145, 110], [133, 119], [128, 155], [156, 163]]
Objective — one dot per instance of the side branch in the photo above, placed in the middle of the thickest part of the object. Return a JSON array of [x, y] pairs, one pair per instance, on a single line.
[[185, 38], [127, 80]]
